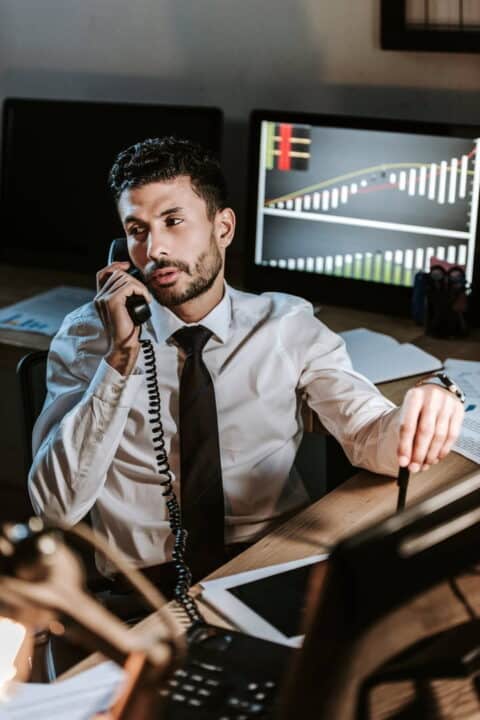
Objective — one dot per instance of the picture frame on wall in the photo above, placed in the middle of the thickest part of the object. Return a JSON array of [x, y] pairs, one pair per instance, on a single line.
[[430, 25]]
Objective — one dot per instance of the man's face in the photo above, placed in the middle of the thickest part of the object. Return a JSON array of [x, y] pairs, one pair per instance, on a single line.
[[172, 240]]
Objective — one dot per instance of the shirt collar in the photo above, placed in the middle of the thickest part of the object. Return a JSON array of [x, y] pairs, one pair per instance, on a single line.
[[218, 320]]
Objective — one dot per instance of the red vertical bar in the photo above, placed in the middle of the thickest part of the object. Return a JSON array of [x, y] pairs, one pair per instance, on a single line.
[[285, 146]]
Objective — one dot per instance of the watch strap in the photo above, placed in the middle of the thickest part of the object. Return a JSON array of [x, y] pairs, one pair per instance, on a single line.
[[444, 381]]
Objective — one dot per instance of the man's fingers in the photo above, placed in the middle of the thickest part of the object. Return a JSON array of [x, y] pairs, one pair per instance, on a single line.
[[455, 426], [424, 435], [438, 439], [410, 414], [104, 274]]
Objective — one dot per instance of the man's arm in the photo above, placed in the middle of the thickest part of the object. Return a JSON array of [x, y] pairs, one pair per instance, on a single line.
[[374, 433], [92, 383]]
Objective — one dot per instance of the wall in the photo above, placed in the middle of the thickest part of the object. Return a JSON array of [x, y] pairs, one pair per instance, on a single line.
[[320, 55]]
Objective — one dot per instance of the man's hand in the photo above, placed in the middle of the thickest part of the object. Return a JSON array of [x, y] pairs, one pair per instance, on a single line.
[[431, 418], [114, 286]]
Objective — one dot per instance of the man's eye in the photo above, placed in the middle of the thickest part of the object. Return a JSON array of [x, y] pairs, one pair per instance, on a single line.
[[173, 221], [136, 231]]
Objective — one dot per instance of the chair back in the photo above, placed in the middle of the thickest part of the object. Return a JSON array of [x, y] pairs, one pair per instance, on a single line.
[[32, 379]]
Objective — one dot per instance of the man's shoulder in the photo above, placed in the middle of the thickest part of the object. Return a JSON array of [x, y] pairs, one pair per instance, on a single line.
[[268, 304]]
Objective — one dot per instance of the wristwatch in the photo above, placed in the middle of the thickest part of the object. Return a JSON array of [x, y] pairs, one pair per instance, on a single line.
[[444, 381]]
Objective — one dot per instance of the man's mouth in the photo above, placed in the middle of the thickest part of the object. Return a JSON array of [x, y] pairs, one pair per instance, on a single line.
[[165, 276]]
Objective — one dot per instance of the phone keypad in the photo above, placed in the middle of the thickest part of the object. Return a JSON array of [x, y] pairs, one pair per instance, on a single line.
[[209, 688]]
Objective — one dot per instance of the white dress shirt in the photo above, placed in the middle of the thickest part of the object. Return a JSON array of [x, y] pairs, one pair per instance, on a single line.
[[93, 444]]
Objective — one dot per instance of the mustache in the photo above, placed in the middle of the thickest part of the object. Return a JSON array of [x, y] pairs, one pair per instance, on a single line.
[[166, 263]]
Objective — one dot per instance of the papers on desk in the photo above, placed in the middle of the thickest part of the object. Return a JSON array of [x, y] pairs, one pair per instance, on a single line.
[[381, 358], [267, 603], [44, 313], [467, 374], [77, 698]]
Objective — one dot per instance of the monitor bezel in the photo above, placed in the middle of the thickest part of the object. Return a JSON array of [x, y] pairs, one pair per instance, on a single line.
[[362, 294]]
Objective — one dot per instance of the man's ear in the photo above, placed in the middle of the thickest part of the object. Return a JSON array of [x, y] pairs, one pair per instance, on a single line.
[[225, 222]]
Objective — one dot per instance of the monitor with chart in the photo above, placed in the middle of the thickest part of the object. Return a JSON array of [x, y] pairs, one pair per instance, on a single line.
[[343, 208]]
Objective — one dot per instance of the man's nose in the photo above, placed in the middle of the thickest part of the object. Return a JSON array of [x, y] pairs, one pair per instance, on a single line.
[[158, 245]]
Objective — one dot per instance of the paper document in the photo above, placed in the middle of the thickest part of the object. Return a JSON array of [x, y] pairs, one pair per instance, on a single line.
[[381, 358], [77, 698], [250, 599], [44, 313], [467, 374]]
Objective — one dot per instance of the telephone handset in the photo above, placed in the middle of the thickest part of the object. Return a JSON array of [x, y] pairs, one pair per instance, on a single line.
[[137, 306]]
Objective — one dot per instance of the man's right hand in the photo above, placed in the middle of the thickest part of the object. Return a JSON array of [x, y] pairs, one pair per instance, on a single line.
[[114, 286]]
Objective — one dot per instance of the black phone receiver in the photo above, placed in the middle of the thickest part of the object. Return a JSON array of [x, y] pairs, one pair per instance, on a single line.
[[137, 307]]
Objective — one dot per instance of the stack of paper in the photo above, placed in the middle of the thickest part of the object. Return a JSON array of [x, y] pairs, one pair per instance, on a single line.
[[381, 358], [467, 374], [44, 313], [78, 698]]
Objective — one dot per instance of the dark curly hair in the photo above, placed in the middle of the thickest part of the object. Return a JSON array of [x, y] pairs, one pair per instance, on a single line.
[[165, 159]]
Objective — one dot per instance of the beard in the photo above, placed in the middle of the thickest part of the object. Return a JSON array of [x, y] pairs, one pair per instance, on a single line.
[[203, 274]]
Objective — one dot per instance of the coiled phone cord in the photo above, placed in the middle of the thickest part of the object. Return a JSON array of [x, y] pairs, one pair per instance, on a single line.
[[184, 575]]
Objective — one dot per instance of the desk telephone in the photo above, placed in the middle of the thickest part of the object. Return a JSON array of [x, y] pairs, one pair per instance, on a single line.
[[227, 675]]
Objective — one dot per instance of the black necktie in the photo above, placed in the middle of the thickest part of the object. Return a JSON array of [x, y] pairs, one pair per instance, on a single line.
[[201, 472]]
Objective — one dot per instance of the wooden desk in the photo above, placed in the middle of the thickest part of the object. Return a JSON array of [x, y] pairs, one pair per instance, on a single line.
[[364, 499]]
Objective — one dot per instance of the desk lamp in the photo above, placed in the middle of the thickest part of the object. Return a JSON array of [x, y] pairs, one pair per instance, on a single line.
[[42, 584]]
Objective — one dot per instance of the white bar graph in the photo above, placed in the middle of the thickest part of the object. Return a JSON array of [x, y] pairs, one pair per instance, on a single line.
[[442, 182], [412, 181], [452, 186], [462, 190], [422, 180], [419, 259], [432, 181]]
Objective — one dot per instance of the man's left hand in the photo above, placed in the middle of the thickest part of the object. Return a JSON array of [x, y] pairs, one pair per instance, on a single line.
[[431, 418]]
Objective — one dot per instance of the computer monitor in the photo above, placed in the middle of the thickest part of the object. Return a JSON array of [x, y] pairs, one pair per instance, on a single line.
[[370, 576], [56, 210], [347, 210]]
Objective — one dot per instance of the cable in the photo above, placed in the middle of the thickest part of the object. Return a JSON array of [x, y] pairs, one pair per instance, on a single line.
[[184, 575]]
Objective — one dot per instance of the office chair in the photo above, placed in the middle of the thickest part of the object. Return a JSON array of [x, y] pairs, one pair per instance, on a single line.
[[32, 378], [32, 381]]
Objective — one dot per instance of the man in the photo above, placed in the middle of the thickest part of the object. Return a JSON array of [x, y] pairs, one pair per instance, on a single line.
[[93, 442]]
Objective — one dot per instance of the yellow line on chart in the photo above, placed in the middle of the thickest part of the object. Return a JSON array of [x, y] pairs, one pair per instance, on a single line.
[[354, 173]]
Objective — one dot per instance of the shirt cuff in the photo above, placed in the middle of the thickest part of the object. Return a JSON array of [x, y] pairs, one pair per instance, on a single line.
[[111, 387]]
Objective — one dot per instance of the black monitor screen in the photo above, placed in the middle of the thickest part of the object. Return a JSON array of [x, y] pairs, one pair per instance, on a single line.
[[55, 205], [362, 200]]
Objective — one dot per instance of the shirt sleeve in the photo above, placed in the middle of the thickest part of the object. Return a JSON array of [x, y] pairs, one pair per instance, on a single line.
[[78, 431], [350, 407]]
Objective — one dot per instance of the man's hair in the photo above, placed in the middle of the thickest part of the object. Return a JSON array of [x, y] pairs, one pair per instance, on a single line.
[[165, 159]]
